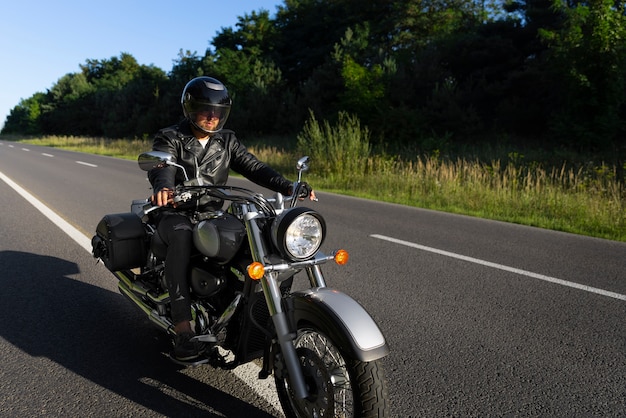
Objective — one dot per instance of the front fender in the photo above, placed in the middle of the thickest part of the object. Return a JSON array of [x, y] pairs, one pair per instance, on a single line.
[[342, 319]]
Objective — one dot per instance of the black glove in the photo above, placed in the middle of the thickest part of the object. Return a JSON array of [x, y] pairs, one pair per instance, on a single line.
[[304, 190]]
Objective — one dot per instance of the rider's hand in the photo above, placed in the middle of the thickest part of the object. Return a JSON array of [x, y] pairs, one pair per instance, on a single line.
[[306, 190], [163, 197]]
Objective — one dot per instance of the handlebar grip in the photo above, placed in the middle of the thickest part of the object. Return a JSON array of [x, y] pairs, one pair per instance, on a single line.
[[304, 190]]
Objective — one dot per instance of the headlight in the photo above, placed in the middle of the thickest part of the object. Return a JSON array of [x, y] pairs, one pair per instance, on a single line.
[[298, 233]]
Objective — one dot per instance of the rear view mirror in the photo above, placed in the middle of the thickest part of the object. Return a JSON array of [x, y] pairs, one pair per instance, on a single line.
[[154, 159]]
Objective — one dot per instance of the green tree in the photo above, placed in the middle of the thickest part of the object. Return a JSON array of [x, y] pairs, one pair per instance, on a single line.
[[69, 108], [309, 29], [254, 35], [588, 57], [131, 108], [24, 118]]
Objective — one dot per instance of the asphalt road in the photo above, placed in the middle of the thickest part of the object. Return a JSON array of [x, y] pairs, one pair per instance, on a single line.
[[483, 318]]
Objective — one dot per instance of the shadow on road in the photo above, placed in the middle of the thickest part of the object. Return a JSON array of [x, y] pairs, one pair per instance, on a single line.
[[96, 334]]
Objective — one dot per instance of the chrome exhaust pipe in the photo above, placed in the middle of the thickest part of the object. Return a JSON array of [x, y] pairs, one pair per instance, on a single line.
[[138, 289], [152, 314]]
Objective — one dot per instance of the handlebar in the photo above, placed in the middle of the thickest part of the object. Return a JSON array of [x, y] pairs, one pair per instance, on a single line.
[[185, 193], [301, 190]]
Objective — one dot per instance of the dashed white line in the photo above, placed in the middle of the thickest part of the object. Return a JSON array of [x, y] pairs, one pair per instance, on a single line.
[[46, 154], [87, 164], [503, 267]]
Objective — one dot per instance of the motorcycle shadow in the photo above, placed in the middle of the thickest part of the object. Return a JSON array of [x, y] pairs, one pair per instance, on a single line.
[[98, 335]]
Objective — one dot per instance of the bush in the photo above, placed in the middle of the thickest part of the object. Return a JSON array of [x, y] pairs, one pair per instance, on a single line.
[[341, 150]]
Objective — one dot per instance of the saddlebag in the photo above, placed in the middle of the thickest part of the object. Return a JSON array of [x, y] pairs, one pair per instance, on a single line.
[[120, 241]]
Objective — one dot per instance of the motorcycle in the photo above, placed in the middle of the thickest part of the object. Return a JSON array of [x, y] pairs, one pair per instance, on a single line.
[[322, 347]]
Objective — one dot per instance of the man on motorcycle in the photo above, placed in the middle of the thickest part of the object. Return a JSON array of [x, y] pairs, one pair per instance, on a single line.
[[207, 151]]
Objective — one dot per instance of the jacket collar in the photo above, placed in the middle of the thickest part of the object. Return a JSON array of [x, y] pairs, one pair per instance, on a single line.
[[187, 137]]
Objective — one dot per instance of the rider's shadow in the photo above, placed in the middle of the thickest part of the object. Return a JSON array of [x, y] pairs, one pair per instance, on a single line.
[[98, 335]]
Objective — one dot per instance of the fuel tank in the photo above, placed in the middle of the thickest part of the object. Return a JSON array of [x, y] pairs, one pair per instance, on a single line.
[[219, 238]]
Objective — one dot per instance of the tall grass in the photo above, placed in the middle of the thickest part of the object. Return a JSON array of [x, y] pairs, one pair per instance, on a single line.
[[564, 199], [584, 200], [341, 150]]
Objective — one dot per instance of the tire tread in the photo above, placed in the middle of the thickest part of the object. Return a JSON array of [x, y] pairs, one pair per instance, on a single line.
[[372, 388]]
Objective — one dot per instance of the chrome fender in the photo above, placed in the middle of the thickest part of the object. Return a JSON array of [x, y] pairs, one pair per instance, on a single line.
[[341, 318]]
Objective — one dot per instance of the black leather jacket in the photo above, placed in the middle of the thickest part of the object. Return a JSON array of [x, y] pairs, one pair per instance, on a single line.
[[212, 163]]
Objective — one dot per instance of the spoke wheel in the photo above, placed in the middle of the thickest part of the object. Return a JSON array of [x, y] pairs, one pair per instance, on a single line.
[[338, 387]]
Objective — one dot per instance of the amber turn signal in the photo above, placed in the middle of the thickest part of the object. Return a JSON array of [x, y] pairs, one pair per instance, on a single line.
[[341, 257], [256, 270]]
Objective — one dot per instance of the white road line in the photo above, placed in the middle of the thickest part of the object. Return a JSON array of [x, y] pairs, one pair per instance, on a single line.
[[87, 164], [25, 149], [247, 373], [74, 233], [46, 154], [503, 267]]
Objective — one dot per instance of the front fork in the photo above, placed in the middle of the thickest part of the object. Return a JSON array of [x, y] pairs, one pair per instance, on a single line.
[[284, 334], [273, 298]]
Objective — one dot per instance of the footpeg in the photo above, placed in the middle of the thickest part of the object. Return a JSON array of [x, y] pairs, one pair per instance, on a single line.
[[205, 338], [192, 363]]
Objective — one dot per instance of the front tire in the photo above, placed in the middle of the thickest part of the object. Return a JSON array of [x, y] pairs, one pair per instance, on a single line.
[[338, 386]]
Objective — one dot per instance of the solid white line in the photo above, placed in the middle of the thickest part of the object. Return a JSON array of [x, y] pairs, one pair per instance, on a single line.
[[503, 267], [247, 373], [87, 164], [74, 233]]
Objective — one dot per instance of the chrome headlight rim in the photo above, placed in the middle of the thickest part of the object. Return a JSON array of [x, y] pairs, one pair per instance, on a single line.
[[291, 218]]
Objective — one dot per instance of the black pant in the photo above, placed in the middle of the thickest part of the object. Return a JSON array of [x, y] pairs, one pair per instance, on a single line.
[[175, 230]]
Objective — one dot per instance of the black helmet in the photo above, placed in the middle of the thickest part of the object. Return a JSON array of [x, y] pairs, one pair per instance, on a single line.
[[206, 94]]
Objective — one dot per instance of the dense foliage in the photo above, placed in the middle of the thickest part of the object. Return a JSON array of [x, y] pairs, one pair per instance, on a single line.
[[421, 75]]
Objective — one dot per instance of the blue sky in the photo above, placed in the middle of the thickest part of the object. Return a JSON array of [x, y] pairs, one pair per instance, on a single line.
[[42, 40]]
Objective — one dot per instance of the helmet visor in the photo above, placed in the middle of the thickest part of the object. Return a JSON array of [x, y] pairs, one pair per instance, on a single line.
[[209, 118]]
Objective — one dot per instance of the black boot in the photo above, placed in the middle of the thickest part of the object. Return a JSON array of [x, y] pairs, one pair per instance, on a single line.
[[186, 349]]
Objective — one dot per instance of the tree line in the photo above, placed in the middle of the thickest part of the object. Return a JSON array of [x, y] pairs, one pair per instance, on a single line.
[[422, 75]]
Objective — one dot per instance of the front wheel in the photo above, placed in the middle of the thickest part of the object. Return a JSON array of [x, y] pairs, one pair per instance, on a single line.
[[338, 386]]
